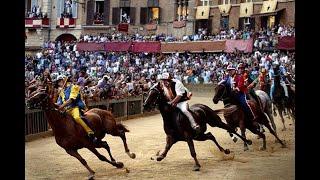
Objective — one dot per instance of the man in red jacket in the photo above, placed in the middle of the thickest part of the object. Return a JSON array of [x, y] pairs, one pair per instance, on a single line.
[[241, 91]]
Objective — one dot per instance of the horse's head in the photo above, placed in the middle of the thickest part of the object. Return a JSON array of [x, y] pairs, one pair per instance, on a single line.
[[39, 99], [221, 91], [153, 97]]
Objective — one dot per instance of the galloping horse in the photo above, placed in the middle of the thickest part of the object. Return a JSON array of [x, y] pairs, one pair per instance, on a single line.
[[279, 99], [177, 126], [71, 136], [236, 117]]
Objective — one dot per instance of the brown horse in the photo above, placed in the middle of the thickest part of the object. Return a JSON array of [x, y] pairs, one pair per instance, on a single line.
[[71, 136], [236, 117]]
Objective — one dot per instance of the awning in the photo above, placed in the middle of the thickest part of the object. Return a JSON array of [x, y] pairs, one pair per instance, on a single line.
[[225, 9], [203, 12], [246, 9], [117, 46], [268, 14]]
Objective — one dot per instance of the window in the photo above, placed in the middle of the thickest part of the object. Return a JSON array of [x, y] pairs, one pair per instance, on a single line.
[[206, 3], [182, 11], [149, 15], [98, 14], [125, 15], [224, 22], [66, 9]]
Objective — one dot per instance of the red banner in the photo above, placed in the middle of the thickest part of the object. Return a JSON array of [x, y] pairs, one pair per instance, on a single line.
[[196, 46], [148, 47], [241, 45], [124, 27], [286, 43], [117, 46], [84, 46]]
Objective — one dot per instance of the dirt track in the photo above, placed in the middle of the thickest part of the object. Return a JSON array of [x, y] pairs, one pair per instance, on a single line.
[[46, 160]]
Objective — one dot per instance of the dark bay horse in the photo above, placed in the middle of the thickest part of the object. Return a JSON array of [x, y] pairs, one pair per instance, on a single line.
[[177, 127], [72, 137], [279, 99], [236, 117]]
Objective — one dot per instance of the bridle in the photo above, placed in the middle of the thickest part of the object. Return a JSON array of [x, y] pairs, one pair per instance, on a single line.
[[154, 89], [223, 93], [45, 99]]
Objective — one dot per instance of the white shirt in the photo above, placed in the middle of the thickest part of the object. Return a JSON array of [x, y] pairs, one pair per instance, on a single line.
[[179, 87]]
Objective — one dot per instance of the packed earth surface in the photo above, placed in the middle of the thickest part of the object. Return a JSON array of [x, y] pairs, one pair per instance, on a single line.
[[44, 159]]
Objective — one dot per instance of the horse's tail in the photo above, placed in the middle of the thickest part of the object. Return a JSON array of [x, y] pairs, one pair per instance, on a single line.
[[122, 128]]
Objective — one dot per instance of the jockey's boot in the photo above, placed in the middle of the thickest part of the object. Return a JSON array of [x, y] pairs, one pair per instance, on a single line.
[[92, 137]]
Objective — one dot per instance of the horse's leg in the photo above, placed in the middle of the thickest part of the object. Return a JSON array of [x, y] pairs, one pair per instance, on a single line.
[[211, 137], [197, 166], [274, 134], [170, 142], [75, 154], [103, 158], [274, 110], [280, 110], [105, 145], [255, 131], [243, 133], [124, 140], [221, 124]]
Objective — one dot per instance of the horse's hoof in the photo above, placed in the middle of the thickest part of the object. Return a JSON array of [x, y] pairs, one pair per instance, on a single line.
[[283, 146], [249, 142], [196, 168], [119, 165], [159, 158], [132, 155], [91, 176], [227, 151], [262, 148], [246, 148], [235, 139]]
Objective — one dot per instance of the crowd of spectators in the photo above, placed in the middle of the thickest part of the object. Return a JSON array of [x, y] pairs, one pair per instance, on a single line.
[[105, 75]]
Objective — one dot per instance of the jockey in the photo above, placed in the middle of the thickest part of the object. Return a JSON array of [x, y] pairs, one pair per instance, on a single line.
[[70, 99], [280, 70], [178, 95], [241, 91]]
